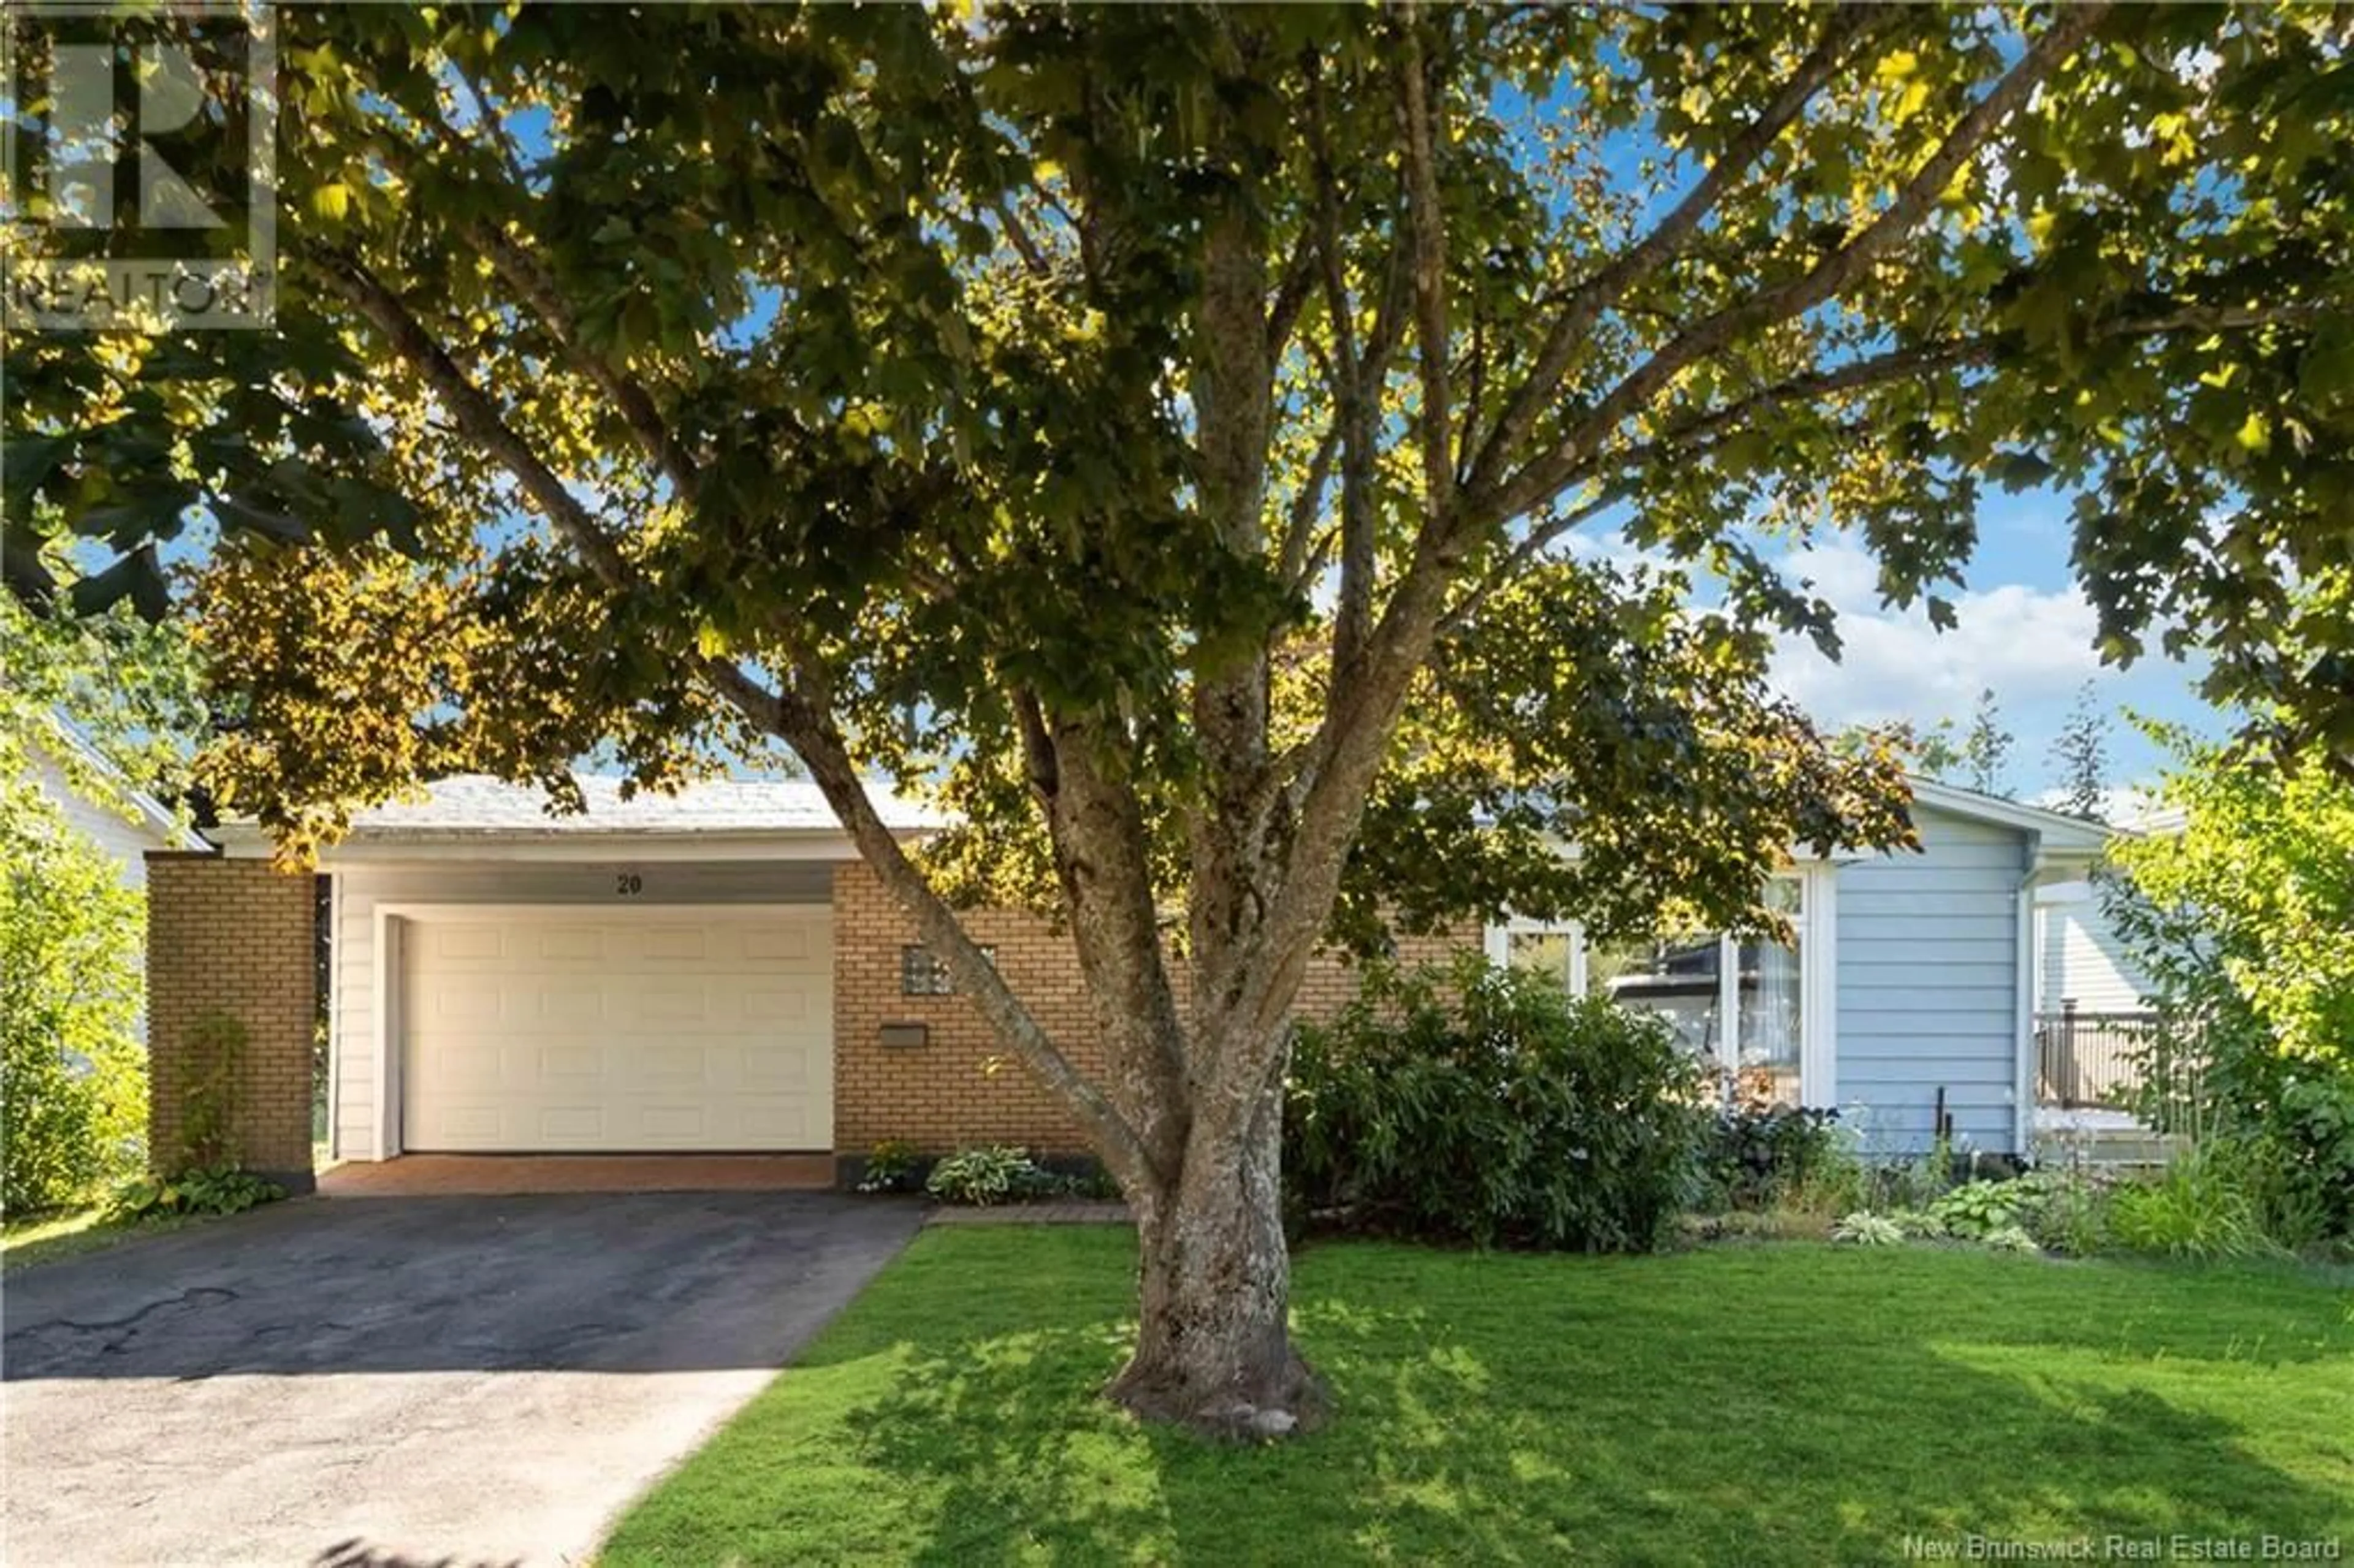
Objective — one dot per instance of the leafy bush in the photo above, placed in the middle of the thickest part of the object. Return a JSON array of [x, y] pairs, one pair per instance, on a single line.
[[74, 1110], [1975, 1209], [1917, 1225], [890, 1167], [993, 1174], [2066, 1211], [218, 1190], [2243, 920], [1474, 1104], [2200, 1207], [2010, 1238], [1764, 1156], [1864, 1228], [1092, 1181]]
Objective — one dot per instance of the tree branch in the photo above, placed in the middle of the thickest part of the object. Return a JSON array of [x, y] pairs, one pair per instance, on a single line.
[[1602, 290], [1693, 436], [783, 713], [1544, 476], [477, 419], [1427, 228], [1294, 551]]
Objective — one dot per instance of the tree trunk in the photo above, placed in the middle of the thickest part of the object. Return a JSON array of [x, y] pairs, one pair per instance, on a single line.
[[1214, 1337]]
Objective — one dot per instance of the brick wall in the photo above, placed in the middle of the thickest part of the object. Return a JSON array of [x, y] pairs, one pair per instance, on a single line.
[[962, 1086], [232, 938]]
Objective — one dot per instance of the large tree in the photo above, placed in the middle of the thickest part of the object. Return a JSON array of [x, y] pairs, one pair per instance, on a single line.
[[1164, 434]]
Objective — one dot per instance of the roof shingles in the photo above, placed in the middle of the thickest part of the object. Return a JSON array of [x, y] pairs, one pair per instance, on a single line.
[[473, 803]]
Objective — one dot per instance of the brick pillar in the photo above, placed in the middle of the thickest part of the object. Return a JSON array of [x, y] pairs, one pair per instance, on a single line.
[[230, 955]]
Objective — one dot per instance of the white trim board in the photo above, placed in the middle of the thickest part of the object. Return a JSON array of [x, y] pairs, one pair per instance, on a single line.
[[592, 848]]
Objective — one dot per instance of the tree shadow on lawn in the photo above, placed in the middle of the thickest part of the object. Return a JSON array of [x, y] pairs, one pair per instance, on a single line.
[[1707, 1407]]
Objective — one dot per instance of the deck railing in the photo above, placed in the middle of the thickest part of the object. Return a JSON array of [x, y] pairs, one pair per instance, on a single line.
[[2086, 1060]]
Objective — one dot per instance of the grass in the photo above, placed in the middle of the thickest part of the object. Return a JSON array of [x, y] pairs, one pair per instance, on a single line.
[[26, 1243], [1784, 1403]]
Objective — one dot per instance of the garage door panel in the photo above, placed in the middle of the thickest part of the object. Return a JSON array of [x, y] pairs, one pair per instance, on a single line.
[[770, 1071], [547, 1031], [665, 1124], [761, 1006], [567, 1064], [668, 1068], [572, 1006], [675, 944], [781, 1120], [790, 945], [570, 943], [672, 1001], [465, 941], [581, 1124], [464, 999]]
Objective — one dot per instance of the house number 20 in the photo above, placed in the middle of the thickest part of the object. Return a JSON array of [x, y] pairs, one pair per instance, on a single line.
[[629, 884]]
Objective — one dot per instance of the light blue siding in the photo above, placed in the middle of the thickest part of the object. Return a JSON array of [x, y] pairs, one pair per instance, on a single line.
[[1928, 986]]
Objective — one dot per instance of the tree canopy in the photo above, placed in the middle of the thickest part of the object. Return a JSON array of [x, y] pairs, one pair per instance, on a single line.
[[2238, 905], [1166, 434]]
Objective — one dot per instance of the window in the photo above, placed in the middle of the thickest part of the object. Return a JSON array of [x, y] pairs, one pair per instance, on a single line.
[[1769, 1002], [1551, 953], [1755, 1009], [923, 974], [1679, 977]]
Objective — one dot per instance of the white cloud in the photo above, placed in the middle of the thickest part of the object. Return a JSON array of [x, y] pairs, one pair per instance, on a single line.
[[2029, 644]]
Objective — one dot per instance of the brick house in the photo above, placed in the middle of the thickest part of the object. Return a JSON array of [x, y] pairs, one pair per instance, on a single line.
[[710, 973], [718, 973]]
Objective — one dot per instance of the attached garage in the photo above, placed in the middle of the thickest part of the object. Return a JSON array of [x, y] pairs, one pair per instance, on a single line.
[[653, 975], [564, 1030]]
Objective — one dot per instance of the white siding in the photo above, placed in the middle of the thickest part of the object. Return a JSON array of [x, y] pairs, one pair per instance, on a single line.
[[360, 888], [1928, 986], [2081, 957], [125, 840]]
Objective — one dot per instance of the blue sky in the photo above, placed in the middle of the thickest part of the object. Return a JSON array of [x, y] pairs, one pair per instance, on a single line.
[[2025, 630]]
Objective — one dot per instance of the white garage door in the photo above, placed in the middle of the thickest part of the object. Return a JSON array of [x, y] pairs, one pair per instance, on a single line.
[[657, 1029]]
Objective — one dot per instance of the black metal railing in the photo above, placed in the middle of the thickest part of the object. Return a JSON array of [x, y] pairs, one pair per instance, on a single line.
[[2092, 1060]]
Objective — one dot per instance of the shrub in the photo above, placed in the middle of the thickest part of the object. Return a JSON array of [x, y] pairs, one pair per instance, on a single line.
[[2010, 1238], [2244, 921], [993, 1174], [1917, 1225], [2067, 1211], [1976, 1209], [220, 1191], [1091, 1182], [1765, 1156], [73, 1080], [1898, 1179], [1480, 1105], [2200, 1207], [890, 1167], [1863, 1228]]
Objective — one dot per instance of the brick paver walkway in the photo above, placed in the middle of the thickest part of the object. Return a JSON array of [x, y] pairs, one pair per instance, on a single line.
[[503, 1175]]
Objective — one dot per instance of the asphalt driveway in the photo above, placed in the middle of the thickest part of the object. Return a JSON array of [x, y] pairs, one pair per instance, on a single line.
[[404, 1381]]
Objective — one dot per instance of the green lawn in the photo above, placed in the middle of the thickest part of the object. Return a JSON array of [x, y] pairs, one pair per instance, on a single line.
[[1744, 1404], [26, 1243]]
